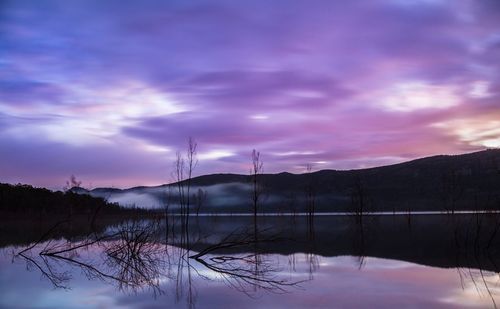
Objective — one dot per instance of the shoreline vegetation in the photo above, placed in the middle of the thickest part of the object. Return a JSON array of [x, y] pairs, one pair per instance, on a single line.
[[22, 201], [27, 213]]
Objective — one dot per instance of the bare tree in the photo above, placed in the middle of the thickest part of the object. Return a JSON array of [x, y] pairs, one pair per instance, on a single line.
[[71, 183], [191, 163], [166, 207], [359, 199], [310, 191], [179, 178], [452, 189], [200, 197], [256, 169], [183, 173]]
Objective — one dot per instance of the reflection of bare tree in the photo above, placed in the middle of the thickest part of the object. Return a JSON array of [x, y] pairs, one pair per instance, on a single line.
[[474, 243], [313, 264], [237, 238], [58, 279], [357, 228], [484, 283], [50, 264], [129, 258], [247, 272], [183, 279], [135, 257], [244, 272]]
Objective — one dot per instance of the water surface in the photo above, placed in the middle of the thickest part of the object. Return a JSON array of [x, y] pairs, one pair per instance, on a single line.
[[282, 262]]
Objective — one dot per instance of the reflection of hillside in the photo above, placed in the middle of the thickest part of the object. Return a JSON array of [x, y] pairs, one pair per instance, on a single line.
[[23, 232], [467, 241]]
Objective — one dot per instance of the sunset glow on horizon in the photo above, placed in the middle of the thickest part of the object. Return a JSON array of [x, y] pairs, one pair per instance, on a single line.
[[110, 90]]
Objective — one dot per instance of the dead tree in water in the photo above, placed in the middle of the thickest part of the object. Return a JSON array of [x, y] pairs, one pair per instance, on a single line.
[[200, 198], [191, 162], [183, 173], [452, 189], [179, 178], [256, 169], [359, 200], [310, 191]]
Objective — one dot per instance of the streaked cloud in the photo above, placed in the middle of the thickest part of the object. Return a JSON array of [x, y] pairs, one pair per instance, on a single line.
[[343, 84]]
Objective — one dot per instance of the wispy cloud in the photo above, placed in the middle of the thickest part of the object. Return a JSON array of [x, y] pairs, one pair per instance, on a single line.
[[347, 84]]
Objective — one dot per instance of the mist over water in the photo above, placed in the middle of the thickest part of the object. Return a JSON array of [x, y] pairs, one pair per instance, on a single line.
[[219, 197]]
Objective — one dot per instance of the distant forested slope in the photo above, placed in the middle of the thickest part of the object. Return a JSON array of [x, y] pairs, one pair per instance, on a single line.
[[459, 182]]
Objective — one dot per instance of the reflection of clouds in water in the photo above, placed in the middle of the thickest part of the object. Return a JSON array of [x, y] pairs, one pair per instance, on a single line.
[[390, 237], [337, 282], [349, 261], [16, 282], [376, 263]]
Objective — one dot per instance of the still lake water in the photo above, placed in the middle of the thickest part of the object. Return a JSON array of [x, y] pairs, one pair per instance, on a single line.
[[420, 261]]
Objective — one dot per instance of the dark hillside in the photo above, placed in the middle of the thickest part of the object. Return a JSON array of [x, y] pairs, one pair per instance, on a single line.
[[458, 182]]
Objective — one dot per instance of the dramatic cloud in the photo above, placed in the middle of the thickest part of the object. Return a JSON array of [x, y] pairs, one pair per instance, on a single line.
[[109, 90]]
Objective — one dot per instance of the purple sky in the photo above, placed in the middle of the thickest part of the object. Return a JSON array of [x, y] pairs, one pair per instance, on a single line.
[[109, 90]]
